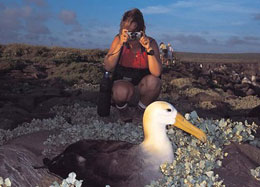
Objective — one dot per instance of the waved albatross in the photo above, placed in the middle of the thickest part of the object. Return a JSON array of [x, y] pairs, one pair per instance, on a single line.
[[118, 163]]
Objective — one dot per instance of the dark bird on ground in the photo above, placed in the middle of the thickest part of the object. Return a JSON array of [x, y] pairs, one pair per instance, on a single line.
[[117, 163]]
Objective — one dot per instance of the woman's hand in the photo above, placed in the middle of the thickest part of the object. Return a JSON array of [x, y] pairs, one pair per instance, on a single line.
[[145, 42], [123, 36]]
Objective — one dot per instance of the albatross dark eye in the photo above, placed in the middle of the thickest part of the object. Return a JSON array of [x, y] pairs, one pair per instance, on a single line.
[[169, 110]]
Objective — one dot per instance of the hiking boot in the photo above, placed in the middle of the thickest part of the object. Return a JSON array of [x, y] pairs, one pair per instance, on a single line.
[[125, 115], [138, 115]]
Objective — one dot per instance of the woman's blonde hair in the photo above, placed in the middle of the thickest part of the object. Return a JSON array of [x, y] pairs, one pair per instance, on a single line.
[[134, 15]]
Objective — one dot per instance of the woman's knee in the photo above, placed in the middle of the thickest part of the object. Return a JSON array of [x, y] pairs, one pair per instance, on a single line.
[[151, 82], [122, 91]]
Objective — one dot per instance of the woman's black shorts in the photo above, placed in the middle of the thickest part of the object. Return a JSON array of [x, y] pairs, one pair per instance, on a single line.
[[132, 75]]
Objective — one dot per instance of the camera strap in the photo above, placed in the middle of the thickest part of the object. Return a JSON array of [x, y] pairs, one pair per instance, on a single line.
[[118, 60]]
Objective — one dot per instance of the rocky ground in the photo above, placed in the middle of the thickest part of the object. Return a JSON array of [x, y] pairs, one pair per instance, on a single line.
[[214, 91], [34, 79], [37, 82]]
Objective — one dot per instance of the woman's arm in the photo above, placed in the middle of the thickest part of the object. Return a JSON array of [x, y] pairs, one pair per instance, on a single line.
[[154, 61], [113, 53]]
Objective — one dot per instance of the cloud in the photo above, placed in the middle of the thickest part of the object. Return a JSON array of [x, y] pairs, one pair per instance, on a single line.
[[11, 18], [32, 37], [17, 12], [185, 4], [234, 40], [22, 24], [53, 39], [216, 6], [191, 39], [68, 17], [34, 27], [191, 6], [9, 37], [164, 9], [185, 39], [102, 31], [17, 18], [247, 40], [257, 17], [156, 10], [2, 6], [37, 2], [252, 38]]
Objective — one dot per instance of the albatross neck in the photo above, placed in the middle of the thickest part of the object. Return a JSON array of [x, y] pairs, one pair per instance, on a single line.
[[155, 138]]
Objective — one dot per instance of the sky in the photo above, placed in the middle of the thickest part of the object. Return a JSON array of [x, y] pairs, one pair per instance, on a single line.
[[207, 26]]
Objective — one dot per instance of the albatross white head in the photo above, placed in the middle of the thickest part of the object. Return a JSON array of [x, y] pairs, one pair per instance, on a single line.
[[156, 117]]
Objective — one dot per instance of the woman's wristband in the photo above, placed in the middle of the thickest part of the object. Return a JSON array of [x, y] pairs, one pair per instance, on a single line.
[[150, 51]]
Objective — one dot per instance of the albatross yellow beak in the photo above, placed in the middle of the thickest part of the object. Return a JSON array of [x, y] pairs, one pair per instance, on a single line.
[[183, 124]]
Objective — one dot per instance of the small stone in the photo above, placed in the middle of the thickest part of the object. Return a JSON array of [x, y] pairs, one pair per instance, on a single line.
[[210, 174]]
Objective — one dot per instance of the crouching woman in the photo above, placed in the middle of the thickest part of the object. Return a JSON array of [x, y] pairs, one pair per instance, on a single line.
[[139, 67]]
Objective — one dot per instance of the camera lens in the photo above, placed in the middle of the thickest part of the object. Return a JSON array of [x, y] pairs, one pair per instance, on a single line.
[[134, 35]]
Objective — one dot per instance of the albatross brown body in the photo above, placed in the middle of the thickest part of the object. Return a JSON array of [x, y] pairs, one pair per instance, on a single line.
[[116, 163], [100, 163]]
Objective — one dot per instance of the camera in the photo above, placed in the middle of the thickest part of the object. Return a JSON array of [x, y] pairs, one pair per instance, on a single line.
[[134, 35]]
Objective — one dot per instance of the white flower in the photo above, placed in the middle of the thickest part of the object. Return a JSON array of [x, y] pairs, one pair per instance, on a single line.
[[78, 183], [71, 181], [7, 182], [55, 184], [72, 178], [64, 183], [1, 181]]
